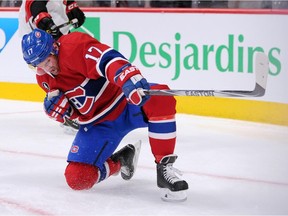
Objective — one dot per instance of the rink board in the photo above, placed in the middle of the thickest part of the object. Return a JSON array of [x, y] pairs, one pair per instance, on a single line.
[[251, 110]]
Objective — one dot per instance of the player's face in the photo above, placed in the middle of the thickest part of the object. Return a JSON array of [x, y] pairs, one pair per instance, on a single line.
[[50, 65]]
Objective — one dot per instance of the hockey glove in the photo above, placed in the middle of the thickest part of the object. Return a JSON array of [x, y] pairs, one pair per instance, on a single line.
[[56, 106], [73, 11], [44, 21], [132, 83]]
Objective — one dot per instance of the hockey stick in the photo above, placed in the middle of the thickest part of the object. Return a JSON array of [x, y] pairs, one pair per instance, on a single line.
[[71, 22], [261, 73]]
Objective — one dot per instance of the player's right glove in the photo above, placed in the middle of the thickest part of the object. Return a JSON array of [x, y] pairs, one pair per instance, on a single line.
[[45, 22], [56, 106], [73, 11], [132, 83]]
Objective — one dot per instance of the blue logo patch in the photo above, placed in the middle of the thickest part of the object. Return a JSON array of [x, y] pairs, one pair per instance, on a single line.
[[8, 27]]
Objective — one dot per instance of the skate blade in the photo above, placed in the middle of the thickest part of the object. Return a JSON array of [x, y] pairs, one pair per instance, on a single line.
[[137, 146], [173, 196], [125, 172]]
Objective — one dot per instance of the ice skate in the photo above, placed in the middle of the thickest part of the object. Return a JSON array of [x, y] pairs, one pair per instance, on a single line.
[[128, 157], [172, 187]]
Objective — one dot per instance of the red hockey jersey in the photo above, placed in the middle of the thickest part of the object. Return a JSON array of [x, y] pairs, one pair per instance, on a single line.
[[86, 77]]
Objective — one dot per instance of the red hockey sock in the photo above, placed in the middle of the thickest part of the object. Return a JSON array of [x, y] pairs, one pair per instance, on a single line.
[[161, 148], [80, 176], [160, 112]]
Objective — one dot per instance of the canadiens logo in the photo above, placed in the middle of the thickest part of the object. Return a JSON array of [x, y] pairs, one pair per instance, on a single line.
[[74, 149], [37, 34]]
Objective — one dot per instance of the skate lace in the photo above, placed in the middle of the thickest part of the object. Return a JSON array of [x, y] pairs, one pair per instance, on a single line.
[[170, 172]]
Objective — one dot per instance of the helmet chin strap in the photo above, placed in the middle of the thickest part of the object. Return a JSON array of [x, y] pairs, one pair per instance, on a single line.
[[49, 73]]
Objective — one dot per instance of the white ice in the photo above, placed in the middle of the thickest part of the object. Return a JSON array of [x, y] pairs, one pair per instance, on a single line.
[[232, 167]]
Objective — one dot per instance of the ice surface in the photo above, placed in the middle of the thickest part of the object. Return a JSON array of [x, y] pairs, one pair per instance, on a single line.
[[232, 167]]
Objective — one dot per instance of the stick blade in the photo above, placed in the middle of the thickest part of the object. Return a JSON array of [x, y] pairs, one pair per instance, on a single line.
[[261, 70]]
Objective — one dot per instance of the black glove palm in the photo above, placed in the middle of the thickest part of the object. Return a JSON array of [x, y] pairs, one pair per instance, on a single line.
[[48, 25]]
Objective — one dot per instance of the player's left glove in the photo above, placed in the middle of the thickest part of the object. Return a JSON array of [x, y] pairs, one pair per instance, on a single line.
[[56, 106], [45, 22], [73, 11], [132, 83]]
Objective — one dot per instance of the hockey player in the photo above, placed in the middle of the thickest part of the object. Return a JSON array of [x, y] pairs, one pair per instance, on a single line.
[[95, 84], [47, 15]]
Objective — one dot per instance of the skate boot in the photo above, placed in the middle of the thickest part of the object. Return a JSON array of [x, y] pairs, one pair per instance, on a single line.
[[128, 157], [172, 187]]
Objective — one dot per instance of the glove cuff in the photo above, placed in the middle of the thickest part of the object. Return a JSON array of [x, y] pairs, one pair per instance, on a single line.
[[71, 6], [41, 16]]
